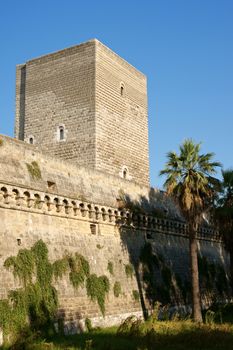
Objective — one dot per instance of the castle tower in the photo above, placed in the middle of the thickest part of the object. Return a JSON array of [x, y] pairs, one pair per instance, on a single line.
[[88, 105]]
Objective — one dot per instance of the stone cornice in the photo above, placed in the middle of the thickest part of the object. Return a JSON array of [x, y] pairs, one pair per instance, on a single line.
[[46, 203]]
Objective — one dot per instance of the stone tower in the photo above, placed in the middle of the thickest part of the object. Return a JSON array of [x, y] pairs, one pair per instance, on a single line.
[[87, 105]]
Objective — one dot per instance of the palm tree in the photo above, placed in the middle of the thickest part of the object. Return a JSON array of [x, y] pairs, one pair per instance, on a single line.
[[190, 182], [224, 214]]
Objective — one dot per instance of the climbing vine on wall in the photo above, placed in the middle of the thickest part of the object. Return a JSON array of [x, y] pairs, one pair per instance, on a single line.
[[97, 289], [35, 304], [110, 267], [79, 269], [117, 289], [129, 270], [34, 170]]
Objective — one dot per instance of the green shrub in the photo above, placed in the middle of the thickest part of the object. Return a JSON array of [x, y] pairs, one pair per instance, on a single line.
[[60, 267], [97, 288], [126, 325], [88, 325], [129, 270], [99, 246], [79, 270], [110, 267], [210, 317], [117, 289], [136, 295], [36, 303], [34, 170]]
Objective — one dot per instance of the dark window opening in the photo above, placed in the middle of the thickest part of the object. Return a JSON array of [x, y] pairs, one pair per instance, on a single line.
[[31, 140], [122, 90], [51, 185], [61, 131], [93, 229]]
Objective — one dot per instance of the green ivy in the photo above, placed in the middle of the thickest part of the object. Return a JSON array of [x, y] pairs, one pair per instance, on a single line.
[[23, 265], [97, 289], [34, 170], [135, 294], [129, 270], [35, 304], [110, 267], [79, 270], [99, 246], [117, 289], [60, 267]]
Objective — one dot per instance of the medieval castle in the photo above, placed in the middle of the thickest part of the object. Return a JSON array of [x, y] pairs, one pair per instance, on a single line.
[[80, 152]]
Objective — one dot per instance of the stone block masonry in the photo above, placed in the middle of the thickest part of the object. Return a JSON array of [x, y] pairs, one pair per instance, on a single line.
[[57, 91], [86, 104], [65, 225], [63, 217]]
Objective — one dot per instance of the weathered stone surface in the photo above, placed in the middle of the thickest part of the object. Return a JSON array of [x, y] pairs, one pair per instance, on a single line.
[[99, 99]]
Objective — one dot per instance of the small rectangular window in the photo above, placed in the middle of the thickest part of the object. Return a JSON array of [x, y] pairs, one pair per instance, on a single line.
[[93, 229]]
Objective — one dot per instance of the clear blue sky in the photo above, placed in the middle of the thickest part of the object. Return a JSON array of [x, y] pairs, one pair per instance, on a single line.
[[185, 47]]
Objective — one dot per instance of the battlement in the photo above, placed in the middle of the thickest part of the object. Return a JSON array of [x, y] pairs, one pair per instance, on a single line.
[[95, 215], [62, 177]]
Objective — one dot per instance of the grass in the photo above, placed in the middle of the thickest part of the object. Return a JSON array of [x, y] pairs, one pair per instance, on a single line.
[[158, 335]]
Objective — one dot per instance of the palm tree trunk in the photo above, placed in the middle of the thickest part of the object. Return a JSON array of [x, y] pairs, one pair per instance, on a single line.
[[196, 301], [231, 270]]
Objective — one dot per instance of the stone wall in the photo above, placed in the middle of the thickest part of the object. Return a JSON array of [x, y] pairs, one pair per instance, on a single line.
[[121, 120], [67, 178], [62, 208], [64, 225], [59, 90], [98, 99]]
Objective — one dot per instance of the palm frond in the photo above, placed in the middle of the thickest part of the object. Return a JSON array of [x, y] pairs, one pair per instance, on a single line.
[[189, 177]]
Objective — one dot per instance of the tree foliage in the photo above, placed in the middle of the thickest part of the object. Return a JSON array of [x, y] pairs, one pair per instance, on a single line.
[[190, 181], [224, 214]]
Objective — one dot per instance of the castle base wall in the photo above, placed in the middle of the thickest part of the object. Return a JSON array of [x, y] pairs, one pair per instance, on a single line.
[[113, 242]]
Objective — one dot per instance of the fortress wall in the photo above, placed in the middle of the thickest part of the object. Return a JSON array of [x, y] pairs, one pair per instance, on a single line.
[[121, 122], [62, 217], [65, 227], [69, 179]]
